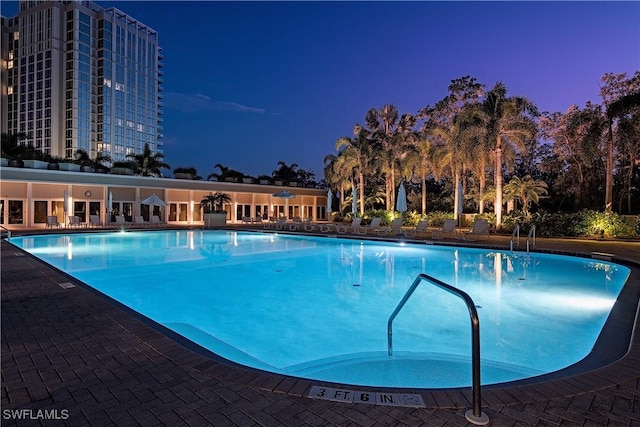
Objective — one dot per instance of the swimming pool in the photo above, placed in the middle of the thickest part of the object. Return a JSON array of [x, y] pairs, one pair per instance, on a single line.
[[317, 307]]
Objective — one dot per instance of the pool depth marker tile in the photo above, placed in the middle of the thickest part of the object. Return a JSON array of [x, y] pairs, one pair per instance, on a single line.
[[371, 398]]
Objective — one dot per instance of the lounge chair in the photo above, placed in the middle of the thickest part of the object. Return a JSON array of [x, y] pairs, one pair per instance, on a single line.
[[155, 220], [480, 228], [120, 220], [374, 226], [448, 229], [94, 221], [52, 221], [309, 226], [139, 220], [420, 228], [355, 224], [327, 228], [394, 228], [280, 224], [257, 219], [74, 221], [296, 224]]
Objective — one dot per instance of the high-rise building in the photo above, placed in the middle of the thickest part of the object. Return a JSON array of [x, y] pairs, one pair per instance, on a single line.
[[79, 76]]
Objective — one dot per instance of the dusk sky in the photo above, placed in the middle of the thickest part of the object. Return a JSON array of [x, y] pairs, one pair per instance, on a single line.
[[250, 83]]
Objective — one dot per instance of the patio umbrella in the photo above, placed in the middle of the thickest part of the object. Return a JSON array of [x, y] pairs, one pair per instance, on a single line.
[[152, 201], [401, 202], [110, 203], [284, 194], [329, 197]]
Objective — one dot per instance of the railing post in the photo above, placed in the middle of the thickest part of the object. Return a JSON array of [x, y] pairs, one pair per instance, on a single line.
[[474, 415]]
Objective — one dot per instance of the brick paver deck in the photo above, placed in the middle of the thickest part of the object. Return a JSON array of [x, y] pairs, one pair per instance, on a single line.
[[73, 355]]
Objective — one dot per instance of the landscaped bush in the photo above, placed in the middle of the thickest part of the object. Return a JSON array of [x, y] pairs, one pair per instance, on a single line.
[[593, 223], [436, 219], [585, 223]]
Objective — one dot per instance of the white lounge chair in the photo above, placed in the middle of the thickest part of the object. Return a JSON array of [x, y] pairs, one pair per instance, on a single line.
[[394, 228], [420, 228], [52, 222], [373, 226], [94, 221], [296, 224], [74, 221], [448, 229], [327, 228], [120, 220], [480, 228], [139, 220], [156, 221], [355, 224]]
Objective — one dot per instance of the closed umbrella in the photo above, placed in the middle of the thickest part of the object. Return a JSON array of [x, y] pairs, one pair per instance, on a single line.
[[329, 197], [65, 198], [110, 203], [401, 202]]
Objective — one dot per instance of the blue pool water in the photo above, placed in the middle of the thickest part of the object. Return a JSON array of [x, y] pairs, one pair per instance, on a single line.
[[317, 307]]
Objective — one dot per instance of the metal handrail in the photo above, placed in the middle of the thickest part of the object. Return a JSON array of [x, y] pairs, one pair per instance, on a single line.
[[7, 230], [516, 232], [532, 232], [475, 415]]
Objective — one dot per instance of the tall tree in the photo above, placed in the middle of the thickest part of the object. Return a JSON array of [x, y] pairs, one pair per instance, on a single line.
[[393, 134], [616, 87], [356, 155], [509, 122]]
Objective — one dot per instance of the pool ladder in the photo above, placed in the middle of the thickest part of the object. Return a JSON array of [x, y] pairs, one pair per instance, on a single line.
[[516, 235], [474, 415], [7, 230]]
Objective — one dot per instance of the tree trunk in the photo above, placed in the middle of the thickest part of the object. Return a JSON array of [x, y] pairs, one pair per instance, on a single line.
[[498, 199], [424, 194], [483, 185], [608, 195], [361, 193]]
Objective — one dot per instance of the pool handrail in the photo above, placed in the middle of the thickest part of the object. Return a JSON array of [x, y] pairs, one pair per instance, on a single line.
[[474, 415], [516, 234], [531, 235]]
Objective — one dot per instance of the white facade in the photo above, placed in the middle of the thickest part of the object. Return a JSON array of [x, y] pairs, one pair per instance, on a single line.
[[28, 196], [77, 76]]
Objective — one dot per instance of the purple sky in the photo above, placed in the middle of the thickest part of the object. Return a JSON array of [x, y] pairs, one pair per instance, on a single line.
[[250, 83]]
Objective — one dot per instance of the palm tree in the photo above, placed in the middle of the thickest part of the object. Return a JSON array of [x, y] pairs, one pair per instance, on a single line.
[[508, 122], [215, 202], [286, 172], [148, 163], [225, 173], [392, 133], [627, 110], [356, 155], [526, 190]]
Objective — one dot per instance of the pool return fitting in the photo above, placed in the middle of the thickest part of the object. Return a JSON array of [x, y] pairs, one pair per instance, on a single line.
[[474, 415]]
